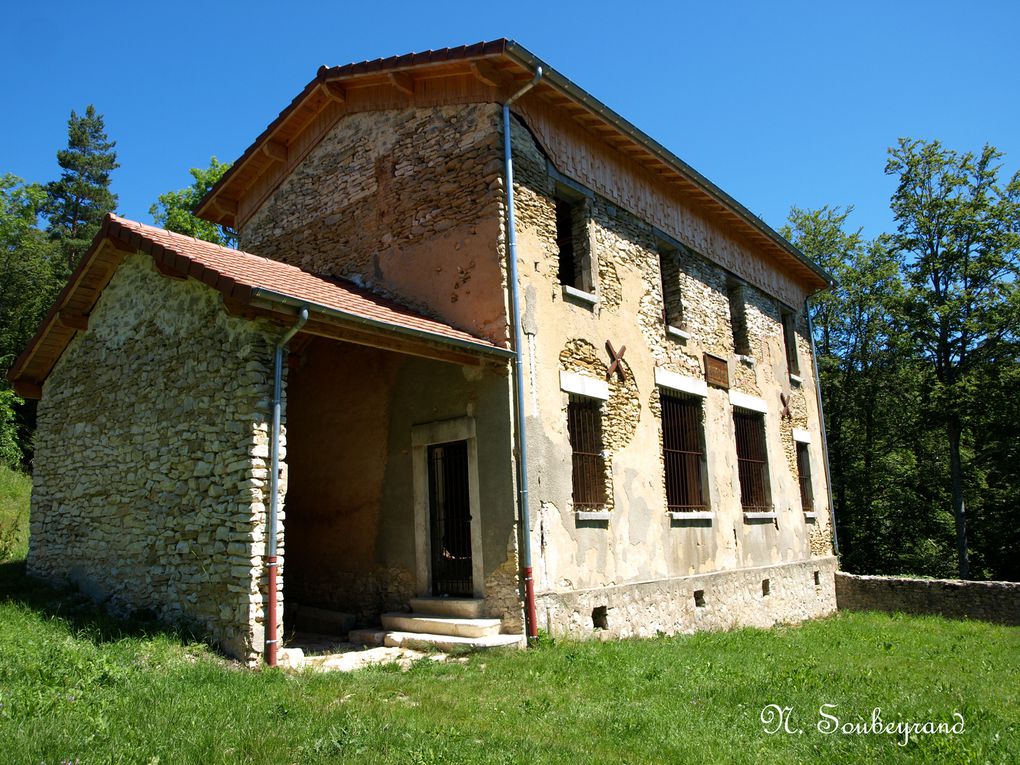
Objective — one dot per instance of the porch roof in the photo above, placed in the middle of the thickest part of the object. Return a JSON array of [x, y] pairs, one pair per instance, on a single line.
[[252, 287]]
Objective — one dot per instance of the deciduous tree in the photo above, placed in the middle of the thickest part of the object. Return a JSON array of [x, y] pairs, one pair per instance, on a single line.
[[175, 210]]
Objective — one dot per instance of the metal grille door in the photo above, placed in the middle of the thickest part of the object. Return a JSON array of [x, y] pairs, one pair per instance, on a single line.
[[752, 462], [584, 424], [682, 452], [450, 519]]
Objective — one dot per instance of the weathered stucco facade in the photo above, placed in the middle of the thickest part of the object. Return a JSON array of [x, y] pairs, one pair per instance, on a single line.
[[621, 560], [153, 441]]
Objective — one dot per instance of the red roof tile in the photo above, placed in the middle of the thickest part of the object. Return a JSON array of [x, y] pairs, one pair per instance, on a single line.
[[240, 276]]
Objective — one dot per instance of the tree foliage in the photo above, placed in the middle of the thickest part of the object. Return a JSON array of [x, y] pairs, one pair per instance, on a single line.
[[175, 210], [917, 352], [958, 234], [81, 197]]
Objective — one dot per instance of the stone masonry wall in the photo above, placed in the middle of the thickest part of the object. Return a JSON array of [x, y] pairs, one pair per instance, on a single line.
[[151, 458], [715, 601], [953, 598]]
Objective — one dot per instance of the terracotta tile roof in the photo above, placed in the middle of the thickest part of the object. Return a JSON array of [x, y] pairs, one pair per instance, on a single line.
[[239, 276]]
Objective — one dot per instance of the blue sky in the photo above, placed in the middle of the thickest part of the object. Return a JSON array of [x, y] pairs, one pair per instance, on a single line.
[[778, 103]]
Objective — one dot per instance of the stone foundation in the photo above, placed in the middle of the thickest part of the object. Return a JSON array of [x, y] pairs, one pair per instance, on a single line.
[[952, 598], [669, 606]]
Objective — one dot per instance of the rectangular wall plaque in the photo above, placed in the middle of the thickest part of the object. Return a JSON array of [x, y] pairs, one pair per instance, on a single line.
[[717, 371]]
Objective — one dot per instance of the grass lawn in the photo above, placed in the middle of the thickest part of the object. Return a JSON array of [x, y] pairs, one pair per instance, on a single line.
[[77, 686]]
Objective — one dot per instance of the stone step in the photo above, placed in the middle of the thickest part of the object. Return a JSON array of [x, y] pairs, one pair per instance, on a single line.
[[465, 608], [323, 621], [424, 641], [440, 625]]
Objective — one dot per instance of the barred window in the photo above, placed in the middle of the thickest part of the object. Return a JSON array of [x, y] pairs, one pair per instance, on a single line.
[[804, 476], [683, 451], [584, 424], [752, 460]]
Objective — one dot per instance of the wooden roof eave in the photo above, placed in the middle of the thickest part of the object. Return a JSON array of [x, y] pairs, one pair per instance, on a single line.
[[508, 63]]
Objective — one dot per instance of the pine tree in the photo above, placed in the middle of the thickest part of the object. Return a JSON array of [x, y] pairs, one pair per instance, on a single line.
[[78, 201]]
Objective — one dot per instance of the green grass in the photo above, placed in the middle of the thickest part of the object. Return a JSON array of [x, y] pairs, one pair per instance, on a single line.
[[15, 489], [78, 686]]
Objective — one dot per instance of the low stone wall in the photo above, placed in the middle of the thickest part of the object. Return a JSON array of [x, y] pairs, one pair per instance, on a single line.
[[751, 597], [952, 598]]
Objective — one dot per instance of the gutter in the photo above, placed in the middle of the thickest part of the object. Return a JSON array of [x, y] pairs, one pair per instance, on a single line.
[[528, 60], [524, 517], [417, 334], [272, 640]]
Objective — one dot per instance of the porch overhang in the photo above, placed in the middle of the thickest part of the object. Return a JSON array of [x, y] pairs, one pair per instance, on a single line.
[[251, 287]]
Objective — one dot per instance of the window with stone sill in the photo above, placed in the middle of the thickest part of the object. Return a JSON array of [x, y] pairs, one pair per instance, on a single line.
[[669, 275], [572, 242], [588, 464], [804, 478], [788, 319], [752, 461], [738, 316], [683, 451]]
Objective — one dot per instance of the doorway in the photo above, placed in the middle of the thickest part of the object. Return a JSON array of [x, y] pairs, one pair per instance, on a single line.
[[450, 519]]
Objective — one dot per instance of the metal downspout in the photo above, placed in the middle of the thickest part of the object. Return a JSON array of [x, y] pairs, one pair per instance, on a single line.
[[530, 614], [272, 641], [821, 428]]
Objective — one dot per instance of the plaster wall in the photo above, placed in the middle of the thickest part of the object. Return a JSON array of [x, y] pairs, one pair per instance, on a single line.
[[405, 201], [640, 541], [151, 458]]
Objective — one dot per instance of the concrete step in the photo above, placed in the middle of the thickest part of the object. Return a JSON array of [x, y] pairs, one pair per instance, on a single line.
[[440, 625], [464, 608], [426, 641]]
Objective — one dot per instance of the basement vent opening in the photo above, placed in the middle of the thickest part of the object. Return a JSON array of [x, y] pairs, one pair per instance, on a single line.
[[600, 617], [699, 598], [818, 579], [765, 588]]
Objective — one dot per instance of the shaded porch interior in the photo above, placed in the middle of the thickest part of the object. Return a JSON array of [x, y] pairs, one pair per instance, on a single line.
[[350, 541]]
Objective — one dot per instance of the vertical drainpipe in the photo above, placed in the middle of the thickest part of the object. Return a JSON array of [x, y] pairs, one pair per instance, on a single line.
[[272, 641], [821, 426], [530, 615]]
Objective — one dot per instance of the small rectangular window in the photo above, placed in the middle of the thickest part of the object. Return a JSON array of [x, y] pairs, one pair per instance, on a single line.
[[669, 273], [804, 476], [752, 461], [790, 342], [572, 240], [738, 317], [584, 426], [683, 452]]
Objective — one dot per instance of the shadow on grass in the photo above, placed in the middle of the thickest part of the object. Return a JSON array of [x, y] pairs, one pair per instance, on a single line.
[[89, 619]]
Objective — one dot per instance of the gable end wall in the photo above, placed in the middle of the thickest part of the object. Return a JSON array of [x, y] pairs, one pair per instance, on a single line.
[[151, 455]]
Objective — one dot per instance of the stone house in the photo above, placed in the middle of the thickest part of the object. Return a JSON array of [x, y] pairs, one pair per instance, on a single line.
[[645, 331]]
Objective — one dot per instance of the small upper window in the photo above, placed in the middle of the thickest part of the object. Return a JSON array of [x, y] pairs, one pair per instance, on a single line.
[[738, 317], [790, 342], [669, 272], [572, 241]]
